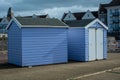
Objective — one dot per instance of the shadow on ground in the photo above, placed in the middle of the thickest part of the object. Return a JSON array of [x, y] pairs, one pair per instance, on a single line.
[[8, 66]]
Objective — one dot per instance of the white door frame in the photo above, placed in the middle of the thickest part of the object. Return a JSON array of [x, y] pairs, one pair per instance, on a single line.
[[92, 53], [99, 43], [95, 43]]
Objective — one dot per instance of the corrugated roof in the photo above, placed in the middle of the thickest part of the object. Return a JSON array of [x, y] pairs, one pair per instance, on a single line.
[[79, 23], [40, 21]]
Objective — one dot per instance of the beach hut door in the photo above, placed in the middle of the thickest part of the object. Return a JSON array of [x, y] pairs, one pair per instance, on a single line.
[[95, 44], [99, 43], [92, 52]]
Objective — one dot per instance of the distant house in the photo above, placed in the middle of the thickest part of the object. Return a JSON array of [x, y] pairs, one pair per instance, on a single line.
[[38, 16], [102, 13], [110, 14], [3, 25], [80, 15], [5, 20], [113, 16], [37, 41], [87, 40]]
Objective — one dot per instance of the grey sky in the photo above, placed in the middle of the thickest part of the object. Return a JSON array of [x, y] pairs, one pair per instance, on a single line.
[[55, 8]]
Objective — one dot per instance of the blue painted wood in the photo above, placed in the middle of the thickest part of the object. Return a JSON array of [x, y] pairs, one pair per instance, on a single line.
[[76, 44], [37, 46], [97, 25], [86, 44], [14, 45], [105, 44], [44, 46]]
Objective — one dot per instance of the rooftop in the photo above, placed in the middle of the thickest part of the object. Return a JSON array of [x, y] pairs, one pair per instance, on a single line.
[[79, 23], [114, 3], [79, 15], [39, 16], [40, 21], [102, 7]]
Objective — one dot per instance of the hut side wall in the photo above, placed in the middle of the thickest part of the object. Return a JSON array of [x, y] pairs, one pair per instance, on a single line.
[[44, 46], [76, 44]]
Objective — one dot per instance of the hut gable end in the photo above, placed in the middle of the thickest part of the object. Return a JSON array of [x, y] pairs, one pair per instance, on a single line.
[[96, 22]]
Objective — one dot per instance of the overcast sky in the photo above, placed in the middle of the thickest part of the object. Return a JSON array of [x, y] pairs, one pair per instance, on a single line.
[[55, 8]]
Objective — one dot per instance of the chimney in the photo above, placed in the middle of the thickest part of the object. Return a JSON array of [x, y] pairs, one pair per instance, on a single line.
[[10, 14]]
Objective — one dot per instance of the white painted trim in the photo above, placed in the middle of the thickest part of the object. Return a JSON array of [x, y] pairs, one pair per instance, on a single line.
[[91, 23], [64, 23], [94, 21], [4, 19], [92, 44], [102, 24], [91, 16], [72, 17], [13, 19]]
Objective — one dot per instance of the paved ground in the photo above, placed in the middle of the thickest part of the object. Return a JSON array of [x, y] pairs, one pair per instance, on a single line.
[[60, 71], [108, 75]]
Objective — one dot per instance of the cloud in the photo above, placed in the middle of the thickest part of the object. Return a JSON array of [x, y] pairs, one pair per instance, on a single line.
[[26, 5], [57, 12], [53, 7], [4, 5]]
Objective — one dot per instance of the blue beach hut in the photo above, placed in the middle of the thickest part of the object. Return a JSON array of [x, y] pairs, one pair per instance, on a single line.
[[37, 41], [87, 40]]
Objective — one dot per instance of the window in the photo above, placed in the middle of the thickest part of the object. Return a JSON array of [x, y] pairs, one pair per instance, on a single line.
[[69, 16], [110, 12], [102, 19], [88, 15]]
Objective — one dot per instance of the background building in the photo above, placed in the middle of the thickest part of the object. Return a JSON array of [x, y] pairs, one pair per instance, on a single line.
[[110, 15], [79, 15], [5, 20]]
